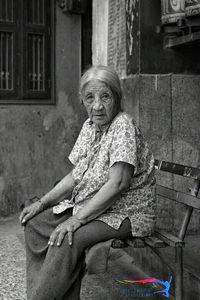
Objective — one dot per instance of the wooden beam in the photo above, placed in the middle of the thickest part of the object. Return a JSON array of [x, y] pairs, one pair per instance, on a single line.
[[177, 169], [172, 42], [178, 196], [169, 239]]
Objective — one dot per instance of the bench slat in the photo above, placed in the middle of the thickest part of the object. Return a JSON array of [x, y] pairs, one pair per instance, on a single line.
[[151, 241], [169, 239], [178, 196], [177, 169], [155, 242]]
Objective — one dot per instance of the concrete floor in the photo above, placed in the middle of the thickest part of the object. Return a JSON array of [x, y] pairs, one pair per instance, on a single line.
[[13, 275], [101, 287]]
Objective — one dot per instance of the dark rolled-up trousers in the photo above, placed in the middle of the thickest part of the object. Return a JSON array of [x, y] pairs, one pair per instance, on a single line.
[[54, 273]]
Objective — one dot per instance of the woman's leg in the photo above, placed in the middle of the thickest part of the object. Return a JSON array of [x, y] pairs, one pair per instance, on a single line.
[[58, 269], [37, 233]]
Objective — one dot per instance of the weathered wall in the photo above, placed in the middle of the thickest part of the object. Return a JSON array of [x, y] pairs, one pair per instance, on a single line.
[[167, 107], [35, 140]]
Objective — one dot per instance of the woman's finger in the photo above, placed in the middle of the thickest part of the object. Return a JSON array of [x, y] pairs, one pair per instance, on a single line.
[[21, 216], [27, 217], [70, 237], [53, 237], [23, 213], [61, 236]]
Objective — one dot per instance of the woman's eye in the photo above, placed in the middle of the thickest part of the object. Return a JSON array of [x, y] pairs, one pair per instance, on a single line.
[[89, 98], [106, 97]]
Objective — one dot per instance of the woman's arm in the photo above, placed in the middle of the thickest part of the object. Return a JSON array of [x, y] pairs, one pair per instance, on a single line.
[[119, 180], [63, 188]]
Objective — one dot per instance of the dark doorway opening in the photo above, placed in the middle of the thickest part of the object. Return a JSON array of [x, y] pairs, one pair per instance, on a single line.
[[86, 44]]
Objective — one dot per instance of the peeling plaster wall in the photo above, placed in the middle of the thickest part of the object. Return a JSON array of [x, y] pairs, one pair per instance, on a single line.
[[36, 140]]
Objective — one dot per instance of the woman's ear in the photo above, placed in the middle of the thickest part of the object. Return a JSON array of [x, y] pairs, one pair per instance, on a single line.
[[80, 97]]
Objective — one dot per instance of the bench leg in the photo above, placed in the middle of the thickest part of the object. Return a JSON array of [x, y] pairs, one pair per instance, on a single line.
[[179, 273]]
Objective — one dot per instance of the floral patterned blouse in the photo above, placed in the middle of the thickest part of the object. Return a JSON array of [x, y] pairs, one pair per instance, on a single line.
[[92, 156]]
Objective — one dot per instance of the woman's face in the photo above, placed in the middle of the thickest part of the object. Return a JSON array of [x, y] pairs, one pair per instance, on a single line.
[[99, 102]]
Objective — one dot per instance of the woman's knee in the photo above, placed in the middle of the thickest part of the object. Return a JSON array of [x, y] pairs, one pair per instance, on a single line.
[[36, 225]]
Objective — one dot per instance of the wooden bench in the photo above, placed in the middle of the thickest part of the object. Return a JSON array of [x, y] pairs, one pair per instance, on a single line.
[[162, 239]]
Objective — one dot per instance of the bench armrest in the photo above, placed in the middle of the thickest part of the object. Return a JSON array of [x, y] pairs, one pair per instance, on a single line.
[[169, 239]]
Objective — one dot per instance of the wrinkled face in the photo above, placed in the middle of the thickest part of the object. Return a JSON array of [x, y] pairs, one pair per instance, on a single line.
[[99, 102]]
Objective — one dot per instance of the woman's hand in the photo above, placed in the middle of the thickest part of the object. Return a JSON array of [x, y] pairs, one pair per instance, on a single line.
[[30, 211], [69, 226]]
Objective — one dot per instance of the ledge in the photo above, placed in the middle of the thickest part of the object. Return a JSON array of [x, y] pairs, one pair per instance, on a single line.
[[188, 39]]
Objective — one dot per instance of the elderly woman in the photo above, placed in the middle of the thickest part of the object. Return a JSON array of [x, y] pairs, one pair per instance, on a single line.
[[110, 193]]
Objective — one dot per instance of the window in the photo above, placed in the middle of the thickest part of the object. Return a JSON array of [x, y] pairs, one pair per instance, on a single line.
[[26, 51]]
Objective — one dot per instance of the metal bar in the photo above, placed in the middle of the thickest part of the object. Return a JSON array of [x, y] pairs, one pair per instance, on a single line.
[[1, 65], [44, 62], [188, 214], [38, 11], [12, 17], [30, 71], [179, 274], [11, 61], [38, 63], [2, 71], [33, 12], [4, 60], [28, 12], [34, 74], [7, 58], [1, 9], [43, 14], [6, 11]]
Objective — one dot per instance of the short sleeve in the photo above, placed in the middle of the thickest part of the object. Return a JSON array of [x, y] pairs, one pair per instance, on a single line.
[[79, 150], [124, 143]]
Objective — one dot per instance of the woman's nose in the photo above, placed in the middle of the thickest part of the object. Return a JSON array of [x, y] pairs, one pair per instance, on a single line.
[[97, 104]]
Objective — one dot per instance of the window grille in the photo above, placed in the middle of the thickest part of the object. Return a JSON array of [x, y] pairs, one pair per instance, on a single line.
[[6, 61], [26, 50]]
